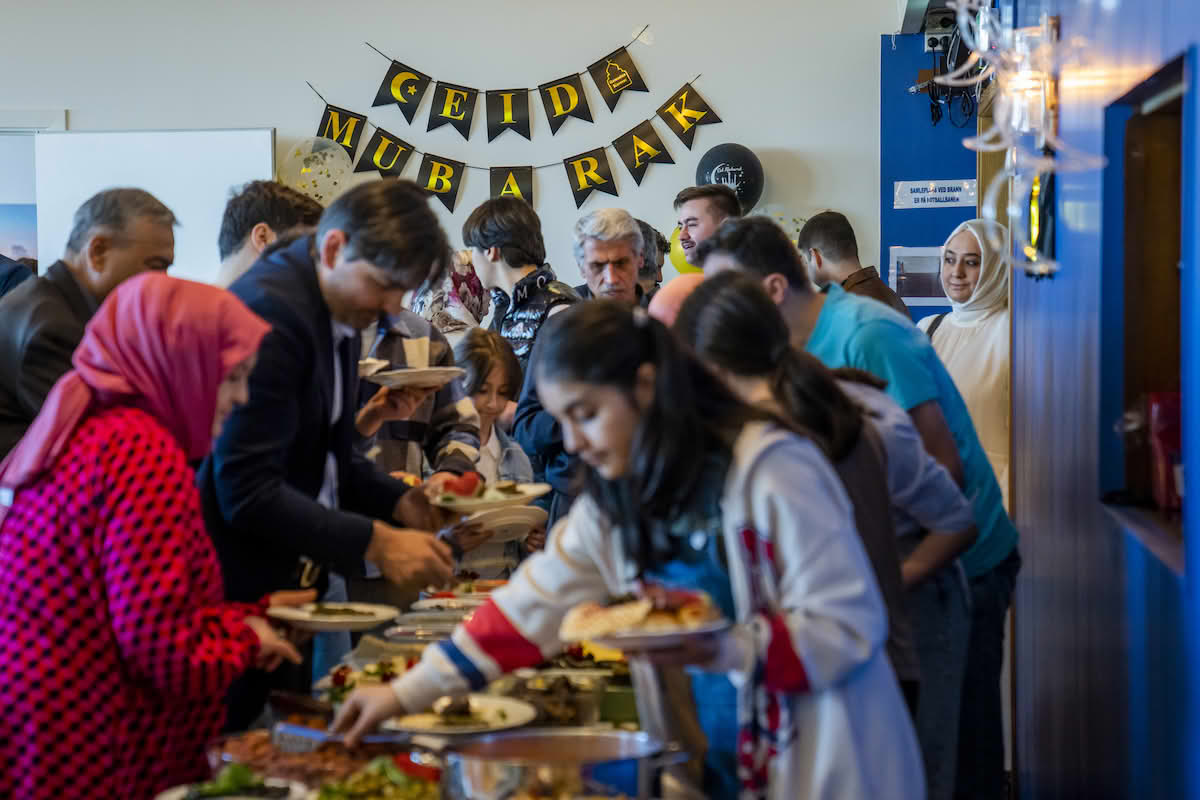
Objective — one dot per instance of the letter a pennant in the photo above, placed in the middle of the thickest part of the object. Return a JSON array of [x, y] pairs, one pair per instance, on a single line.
[[641, 147]]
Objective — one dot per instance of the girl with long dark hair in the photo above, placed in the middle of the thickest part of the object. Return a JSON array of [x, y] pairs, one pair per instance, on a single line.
[[686, 485], [733, 325]]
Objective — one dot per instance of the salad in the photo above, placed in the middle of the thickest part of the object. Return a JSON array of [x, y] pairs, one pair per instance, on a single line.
[[236, 780], [387, 777], [345, 678]]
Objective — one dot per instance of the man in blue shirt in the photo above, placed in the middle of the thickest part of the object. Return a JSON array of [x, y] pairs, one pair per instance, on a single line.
[[845, 330]]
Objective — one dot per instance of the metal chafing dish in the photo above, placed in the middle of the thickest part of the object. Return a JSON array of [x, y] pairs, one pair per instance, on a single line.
[[553, 763]]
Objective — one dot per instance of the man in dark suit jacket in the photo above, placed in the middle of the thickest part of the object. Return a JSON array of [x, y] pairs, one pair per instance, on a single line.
[[12, 274], [286, 496], [116, 234]]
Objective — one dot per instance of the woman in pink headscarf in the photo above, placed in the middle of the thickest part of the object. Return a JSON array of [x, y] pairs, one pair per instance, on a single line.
[[116, 647]]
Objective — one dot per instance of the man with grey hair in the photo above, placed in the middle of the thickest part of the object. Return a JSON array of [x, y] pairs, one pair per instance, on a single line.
[[608, 249], [116, 234]]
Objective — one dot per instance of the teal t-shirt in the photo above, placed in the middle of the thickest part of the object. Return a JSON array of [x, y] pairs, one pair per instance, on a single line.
[[859, 332]]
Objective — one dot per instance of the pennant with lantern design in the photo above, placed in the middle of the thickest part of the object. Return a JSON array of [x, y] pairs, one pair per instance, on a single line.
[[507, 110], [342, 126], [641, 147], [403, 86], [684, 112], [453, 105], [615, 74], [512, 182], [587, 172], [443, 177], [564, 98], [386, 153]]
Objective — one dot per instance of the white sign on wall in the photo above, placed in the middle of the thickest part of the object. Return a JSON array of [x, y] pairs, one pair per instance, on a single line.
[[932, 194]]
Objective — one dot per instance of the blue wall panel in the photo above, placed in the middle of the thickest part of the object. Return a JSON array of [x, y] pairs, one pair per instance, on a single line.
[[1103, 628], [911, 148]]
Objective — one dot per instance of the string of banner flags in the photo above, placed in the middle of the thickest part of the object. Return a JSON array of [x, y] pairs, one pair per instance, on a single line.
[[508, 109]]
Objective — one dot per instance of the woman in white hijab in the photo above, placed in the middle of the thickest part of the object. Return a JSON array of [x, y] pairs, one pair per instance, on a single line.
[[973, 338]]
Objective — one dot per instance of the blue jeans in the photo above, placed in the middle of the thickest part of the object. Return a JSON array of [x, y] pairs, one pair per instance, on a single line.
[[330, 648], [941, 617], [980, 726]]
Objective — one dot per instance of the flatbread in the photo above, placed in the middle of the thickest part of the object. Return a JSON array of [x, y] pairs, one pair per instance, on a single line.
[[592, 620]]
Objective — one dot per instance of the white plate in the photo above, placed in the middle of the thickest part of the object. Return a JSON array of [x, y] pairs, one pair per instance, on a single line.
[[302, 617], [526, 494], [498, 713], [298, 791], [414, 376], [448, 604], [658, 641], [510, 523]]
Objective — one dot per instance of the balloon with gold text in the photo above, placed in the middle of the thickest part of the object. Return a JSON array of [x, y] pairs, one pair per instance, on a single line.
[[403, 86], [507, 110], [615, 74], [342, 126], [443, 177], [564, 98], [454, 105], [588, 172], [386, 153], [512, 182], [684, 112], [641, 147]]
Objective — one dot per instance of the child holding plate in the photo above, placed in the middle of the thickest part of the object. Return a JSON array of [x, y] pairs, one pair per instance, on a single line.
[[492, 381]]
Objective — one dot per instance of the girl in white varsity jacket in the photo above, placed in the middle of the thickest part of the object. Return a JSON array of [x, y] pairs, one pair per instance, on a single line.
[[685, 485]]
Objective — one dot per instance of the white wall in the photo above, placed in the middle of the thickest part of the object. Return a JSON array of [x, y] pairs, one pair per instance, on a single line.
[[797, 81]]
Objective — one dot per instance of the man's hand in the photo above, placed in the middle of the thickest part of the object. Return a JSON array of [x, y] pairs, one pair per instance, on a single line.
[[536, 540], [273, 649], [413, 510], [390, 404], [468, 536], [410, 558]]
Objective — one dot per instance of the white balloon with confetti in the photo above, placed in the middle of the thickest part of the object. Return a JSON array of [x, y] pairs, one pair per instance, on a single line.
[[317, 167]]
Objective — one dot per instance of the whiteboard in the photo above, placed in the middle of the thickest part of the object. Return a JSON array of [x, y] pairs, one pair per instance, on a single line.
[[192, 172]]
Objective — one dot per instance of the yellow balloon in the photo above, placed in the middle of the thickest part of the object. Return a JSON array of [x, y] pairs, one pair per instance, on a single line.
[[677, 260]]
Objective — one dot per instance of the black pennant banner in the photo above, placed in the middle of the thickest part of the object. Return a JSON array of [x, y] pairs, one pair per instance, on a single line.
[[564, 98], [641, 147], [512, 182], [344, 127], [454, 105], [386, 153], [614, 74], [403, 86], [507, 110], [443, 177], [588, 171], [684, 111]]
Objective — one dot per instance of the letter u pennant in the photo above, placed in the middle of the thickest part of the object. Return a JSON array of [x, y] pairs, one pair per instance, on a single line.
[[386, 153], [588, 171]]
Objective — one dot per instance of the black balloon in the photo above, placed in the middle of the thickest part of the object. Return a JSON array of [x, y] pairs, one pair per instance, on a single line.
[[737, 167]]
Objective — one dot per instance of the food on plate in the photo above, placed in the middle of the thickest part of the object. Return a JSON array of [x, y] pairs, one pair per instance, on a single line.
[[664, 612], [456, 712], [328, 610], [235, 780], [345, 678], [329, 762], [472, 486], [397, 777], [559, 700], [466, 587]]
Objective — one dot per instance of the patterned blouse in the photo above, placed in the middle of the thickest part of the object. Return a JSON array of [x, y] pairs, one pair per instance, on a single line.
[[116, 648]]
